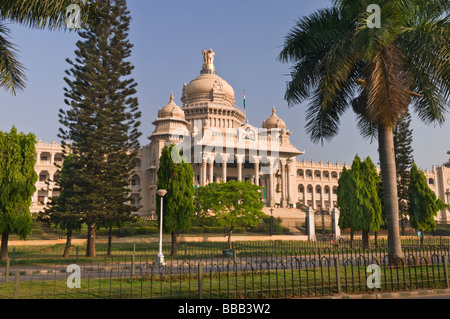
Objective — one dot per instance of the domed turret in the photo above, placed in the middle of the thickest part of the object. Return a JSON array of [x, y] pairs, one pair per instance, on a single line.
[[171, 110], [274, 122]]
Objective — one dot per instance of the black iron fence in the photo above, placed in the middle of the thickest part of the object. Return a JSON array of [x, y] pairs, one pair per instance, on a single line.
[[255, 270]]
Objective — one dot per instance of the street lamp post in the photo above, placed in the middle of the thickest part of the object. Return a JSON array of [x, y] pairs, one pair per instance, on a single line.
[[160, 257]]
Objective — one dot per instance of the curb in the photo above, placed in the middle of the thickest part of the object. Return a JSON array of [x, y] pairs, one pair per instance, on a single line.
[[391, 295]]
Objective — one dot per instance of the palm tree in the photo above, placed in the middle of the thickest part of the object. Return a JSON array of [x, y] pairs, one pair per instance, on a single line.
[[40, 14], [340, 62]]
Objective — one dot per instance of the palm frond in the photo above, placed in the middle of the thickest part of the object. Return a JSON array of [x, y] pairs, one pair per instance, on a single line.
[[388, 87], [47, 13], [12, 76]]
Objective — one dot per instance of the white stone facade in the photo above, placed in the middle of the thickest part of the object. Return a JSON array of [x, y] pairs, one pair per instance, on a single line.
[[221, 145]]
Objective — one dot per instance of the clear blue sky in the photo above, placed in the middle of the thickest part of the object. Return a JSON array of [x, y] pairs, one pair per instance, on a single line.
[[168, 38]]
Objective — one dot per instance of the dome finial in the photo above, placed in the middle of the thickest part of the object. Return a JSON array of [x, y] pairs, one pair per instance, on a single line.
[[273, 110], [208, 58], [171, 96]]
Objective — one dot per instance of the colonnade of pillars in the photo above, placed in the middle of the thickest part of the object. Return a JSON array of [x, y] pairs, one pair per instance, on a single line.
[[268, 172]]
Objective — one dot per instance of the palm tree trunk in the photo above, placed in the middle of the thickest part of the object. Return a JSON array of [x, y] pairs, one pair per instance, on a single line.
[[4, 247], [68, 244], [389, 178]]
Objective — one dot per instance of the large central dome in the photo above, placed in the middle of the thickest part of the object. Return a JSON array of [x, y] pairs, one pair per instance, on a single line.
[[208, 86]]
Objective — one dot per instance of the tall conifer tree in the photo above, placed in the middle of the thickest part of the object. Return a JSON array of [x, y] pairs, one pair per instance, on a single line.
[[101, 126], [403, 160]]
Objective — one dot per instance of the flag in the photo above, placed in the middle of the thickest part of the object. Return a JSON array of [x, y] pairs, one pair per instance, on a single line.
[[244, 99]]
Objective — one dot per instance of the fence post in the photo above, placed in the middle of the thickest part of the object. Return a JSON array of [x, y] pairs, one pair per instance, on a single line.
[[200, 280], [133, 260], [13, 255], [7, 269], [76, 258], [445, 271], [16, 285], [338, 278]]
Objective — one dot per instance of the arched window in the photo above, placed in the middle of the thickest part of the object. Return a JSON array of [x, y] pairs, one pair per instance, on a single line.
[[137, 162], [301, 189], [57, 177], [44, 176], [300, 173], [431, 181], [136, 181], [317, 174]]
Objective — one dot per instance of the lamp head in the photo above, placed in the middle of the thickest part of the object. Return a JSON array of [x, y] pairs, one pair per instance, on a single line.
[[161, 192]]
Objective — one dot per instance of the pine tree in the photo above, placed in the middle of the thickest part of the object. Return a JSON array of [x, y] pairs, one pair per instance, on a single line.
[[403, 160], [17, 185], [175, 176], [65, 210], [101, 126]]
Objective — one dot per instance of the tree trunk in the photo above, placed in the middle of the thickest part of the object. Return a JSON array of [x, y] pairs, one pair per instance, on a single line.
[[173, 249], [351, 238], [376, 239], [108, 252], [4, 247], [229, 238], [68, 244], [365, 239], [389, 178], [90, 249]]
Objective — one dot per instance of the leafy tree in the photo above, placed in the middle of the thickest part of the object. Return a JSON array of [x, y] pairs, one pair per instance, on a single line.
[[403, 162], [341, 61], [424, 204], [17, 185], [101, 126], [358, 199], [230, 204], [65, 211], [34, 14], [175, 176]]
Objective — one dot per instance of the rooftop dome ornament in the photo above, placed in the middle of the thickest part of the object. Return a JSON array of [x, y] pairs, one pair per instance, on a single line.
[[208, 58]]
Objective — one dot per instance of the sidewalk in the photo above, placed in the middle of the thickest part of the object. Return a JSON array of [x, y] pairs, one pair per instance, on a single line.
[[391, 295], [181, 238]]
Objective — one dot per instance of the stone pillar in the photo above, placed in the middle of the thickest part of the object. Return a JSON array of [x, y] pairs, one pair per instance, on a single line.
[[310, 226], [283, 202], [335, 222], [288, 181], [211, 171], [224, 168], [239, 160], [257, 171], [204, 172], [271, 184]]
